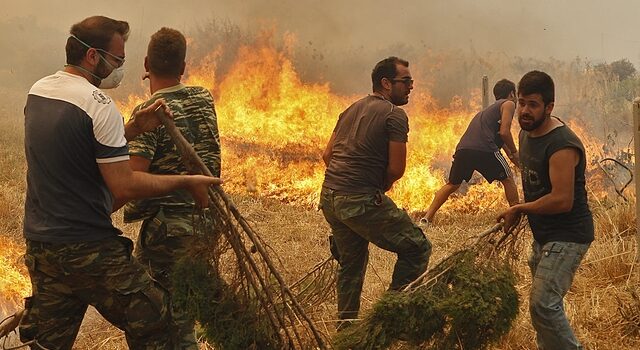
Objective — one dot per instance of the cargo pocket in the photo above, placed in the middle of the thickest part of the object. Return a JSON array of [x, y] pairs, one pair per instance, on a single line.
[[352, 206], [147, 312], [551, 257], [154, 231]]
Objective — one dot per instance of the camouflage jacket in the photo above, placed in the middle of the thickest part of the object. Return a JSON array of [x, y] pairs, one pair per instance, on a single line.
[[195, 116]]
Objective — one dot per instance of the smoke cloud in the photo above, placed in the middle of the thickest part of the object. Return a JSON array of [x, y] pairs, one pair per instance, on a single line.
[[340, 41]]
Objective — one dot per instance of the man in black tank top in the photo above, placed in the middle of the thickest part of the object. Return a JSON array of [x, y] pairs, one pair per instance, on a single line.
[[553, 165], [479, 149]]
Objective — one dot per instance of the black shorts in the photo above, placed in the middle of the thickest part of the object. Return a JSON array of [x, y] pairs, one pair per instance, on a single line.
[[492, 166]]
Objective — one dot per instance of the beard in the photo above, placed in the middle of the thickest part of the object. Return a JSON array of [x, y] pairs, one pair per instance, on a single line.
[[398, 99], [530, 123], [102, 70]]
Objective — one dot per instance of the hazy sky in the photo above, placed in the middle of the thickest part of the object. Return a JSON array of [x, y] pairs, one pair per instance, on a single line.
[[599, 30], [350, 35]]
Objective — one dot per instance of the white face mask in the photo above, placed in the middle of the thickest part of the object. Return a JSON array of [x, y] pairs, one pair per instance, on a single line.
[[114, 79]]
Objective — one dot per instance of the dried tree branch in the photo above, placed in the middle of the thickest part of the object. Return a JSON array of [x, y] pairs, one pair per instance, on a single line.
[[195, 165]]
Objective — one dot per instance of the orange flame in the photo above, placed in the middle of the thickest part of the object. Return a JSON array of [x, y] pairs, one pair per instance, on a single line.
[[14, 284], [274, 128]]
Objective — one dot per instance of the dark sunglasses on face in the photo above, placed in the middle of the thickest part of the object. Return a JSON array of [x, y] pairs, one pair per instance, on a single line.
[[406, 81]]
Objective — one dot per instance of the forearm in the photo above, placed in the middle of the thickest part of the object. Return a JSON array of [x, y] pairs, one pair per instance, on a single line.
[[131, 130], [549, 204], [509, 145], [145, 185], [391, 178]]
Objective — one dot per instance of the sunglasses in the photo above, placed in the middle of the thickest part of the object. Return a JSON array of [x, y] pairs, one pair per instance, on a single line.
[[406, 81]]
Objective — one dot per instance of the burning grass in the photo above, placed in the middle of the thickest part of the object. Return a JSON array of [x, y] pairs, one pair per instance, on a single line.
[[298, 236]]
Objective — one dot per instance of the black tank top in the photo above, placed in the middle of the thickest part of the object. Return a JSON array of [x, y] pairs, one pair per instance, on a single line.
[[573, 226]]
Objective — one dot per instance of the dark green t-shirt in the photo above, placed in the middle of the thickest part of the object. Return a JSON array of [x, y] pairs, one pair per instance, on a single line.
[[195, 117], [573, 226], [360, 153]]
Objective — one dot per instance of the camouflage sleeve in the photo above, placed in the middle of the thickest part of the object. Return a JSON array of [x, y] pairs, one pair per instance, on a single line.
[[214, 121], [144, 145], [214, 159]]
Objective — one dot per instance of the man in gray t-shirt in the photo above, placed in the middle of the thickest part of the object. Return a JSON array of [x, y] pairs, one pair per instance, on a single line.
[[365, 156], [479, 149]]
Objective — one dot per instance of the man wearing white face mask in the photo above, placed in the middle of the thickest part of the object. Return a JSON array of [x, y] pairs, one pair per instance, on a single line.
[[114, 78], [78, 173]]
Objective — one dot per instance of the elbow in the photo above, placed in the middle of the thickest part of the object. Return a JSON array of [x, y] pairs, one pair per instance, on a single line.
[[565, 206], [122, 194], [395, 174]]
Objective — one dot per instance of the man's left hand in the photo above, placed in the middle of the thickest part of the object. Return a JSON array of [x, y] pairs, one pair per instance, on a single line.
[[146, 119], [511, 218]]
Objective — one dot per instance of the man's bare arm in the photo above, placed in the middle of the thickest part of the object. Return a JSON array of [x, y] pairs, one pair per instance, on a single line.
[[126, 184], [145, 119], [562, 166], [138, 163], [507, 109], [397, 162]]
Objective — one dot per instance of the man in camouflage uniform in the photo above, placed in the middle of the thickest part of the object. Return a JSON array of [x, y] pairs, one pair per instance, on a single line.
[[168, 231], [78, 173], [365, 156]]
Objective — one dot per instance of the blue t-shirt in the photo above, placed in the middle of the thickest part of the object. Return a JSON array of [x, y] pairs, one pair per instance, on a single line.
[[483, 132]]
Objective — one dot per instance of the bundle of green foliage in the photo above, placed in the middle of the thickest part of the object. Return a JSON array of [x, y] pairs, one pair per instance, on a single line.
[[229, 319], [471, 303]]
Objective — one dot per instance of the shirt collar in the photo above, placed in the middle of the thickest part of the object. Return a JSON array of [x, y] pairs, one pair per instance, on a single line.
[[174, 88]]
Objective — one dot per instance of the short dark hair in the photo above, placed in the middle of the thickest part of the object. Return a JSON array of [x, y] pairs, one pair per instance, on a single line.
[[97, 32], [166, 52], [537, 82], [386, 69], [503, 88]]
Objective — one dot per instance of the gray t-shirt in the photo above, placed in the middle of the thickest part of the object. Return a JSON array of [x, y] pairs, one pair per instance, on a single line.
[[482, 134], [360, 153], [70, 127]]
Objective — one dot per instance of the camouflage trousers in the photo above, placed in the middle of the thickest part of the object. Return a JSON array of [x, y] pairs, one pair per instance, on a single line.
[[356, 220], [163, 241], [66, 278]]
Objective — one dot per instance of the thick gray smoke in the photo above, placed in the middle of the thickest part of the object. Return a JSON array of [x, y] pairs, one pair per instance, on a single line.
[[33, 31], [451, 44]]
